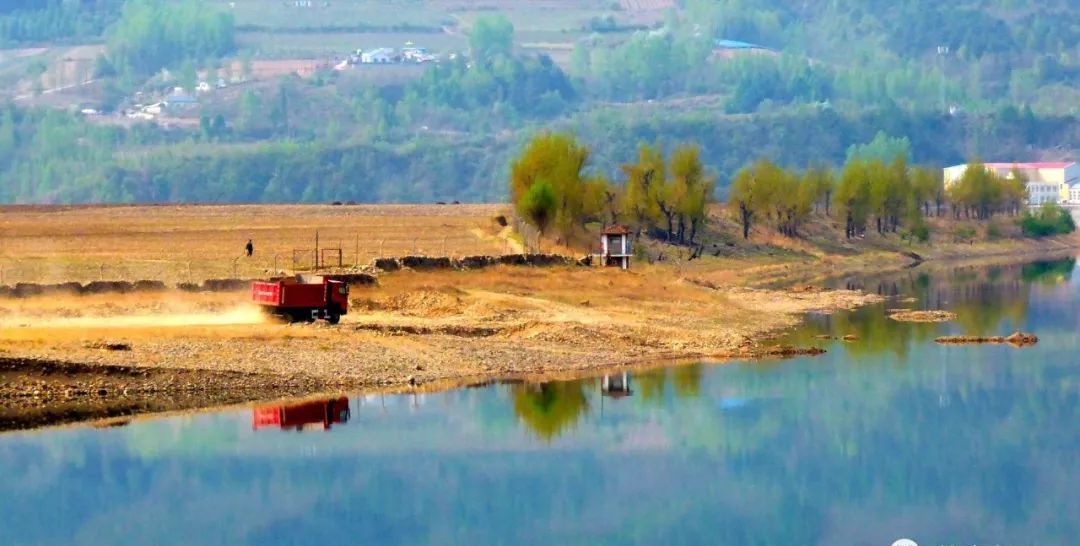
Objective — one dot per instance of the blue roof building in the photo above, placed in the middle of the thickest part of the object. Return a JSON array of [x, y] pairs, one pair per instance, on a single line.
[[736, 44]]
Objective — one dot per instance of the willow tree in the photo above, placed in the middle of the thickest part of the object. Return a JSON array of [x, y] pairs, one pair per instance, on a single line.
[[927, 187], [852, 197], [691, 189], [669, 196], [644, 187], [979, 192], [753, 192], [555, 160]]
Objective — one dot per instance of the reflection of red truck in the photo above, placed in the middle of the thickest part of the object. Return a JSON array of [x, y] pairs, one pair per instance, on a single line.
[[303, 298], [300, 415]]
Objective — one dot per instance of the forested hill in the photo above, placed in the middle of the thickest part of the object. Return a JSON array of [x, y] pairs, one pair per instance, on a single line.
[[796, 82]]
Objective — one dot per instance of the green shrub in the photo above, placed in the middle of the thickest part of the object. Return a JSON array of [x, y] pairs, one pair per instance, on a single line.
[[964, 233], [921, 233], [1049, 220], [993, 231]]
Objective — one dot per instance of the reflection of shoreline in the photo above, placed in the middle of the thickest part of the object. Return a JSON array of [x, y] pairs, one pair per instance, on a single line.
[[868, 275], [988, 301]]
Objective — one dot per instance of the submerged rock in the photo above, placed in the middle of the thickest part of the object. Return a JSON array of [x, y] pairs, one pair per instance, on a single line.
[[785, 351], [910, 315], [1019, 339]]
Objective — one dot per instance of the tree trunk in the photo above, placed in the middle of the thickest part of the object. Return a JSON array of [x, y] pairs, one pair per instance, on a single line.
[[746, 214]]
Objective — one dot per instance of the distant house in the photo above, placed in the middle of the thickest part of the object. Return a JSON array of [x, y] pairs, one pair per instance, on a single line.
[[179, 101], [1074, 194], [416, 54], [382, 55], [1047, 182], [727, 49]]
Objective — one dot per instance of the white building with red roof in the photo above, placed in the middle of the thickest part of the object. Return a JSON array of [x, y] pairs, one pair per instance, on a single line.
[[1047, 182]]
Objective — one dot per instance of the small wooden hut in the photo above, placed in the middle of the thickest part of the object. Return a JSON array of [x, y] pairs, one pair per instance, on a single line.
[[615, 248], [616, 385]]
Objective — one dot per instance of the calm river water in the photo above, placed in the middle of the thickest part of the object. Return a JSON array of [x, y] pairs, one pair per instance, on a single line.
[[886, 437]]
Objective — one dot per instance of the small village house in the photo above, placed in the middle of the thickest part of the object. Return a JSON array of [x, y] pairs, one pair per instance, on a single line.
[[179, 101], [615, 248], [1047, 182], [382, 55]]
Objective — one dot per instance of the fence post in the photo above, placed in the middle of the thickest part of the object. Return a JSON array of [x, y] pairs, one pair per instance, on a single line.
[[101, 272]]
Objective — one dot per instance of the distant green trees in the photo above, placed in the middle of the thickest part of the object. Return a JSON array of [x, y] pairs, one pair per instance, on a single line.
[[152, 35], [817, 55], [382, 159], [529, 85], [491, 36], [39, 21]]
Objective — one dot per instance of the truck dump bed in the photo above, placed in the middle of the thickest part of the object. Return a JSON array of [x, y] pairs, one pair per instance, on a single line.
[[285, 294]]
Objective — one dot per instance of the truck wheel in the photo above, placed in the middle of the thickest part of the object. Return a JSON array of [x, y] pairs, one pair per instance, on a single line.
[[333, 318]]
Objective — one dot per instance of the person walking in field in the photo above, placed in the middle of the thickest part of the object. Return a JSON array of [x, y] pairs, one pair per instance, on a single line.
[[250, 248]]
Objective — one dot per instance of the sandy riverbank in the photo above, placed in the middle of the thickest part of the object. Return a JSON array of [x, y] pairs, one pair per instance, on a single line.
[[416, 329], [71, 358]]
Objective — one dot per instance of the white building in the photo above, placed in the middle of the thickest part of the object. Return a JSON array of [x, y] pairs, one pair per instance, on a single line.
[[1047, 182], [1074, 194], [381, 55]]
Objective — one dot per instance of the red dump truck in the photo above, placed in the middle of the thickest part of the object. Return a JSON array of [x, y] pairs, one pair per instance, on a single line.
[[304, 415], [303, 298]]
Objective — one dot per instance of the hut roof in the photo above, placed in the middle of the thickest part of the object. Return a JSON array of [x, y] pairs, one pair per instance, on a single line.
[[616, 229]]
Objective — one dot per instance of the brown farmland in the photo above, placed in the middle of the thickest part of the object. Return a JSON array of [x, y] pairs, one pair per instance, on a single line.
[[192, 243]]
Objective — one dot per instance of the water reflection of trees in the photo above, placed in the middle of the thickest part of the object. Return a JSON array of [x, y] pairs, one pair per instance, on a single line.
[[548, 409], [986, 300], [1048, 272]]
